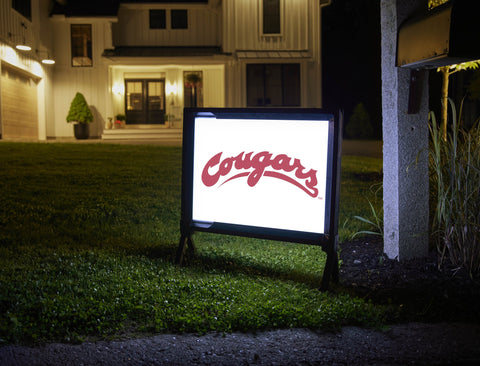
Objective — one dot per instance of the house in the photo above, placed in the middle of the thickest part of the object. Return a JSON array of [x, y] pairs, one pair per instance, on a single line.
[[147, 60]]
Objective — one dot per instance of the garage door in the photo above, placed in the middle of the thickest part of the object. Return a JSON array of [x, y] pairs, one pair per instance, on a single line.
[[19, 105]]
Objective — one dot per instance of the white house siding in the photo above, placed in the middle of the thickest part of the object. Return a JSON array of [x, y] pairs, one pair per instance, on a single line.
[[36, 33], [213, 84], [242, 31], [214, 87], [91, 81], [300, 37], [233, 25], [133, 27]]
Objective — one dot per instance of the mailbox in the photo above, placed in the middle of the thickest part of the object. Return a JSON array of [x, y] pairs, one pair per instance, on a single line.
[[446, 35]]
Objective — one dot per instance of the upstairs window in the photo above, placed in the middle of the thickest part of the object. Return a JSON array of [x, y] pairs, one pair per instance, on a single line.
[[271, 16], [179, 19], [81, 40], [158, 19], [24, 7]]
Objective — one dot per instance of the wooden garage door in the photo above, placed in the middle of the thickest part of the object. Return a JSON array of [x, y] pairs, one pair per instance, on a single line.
[[19, 105]]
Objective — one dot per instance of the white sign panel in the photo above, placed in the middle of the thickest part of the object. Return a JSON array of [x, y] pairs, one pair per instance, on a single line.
[[261, 172]]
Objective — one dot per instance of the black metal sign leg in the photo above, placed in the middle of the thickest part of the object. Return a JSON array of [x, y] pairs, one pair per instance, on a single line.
[[331, 272], [185, 241]]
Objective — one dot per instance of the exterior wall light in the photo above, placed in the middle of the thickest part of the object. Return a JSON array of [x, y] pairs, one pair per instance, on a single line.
[[118, 89], [172, 88], [47, 60], [22, 44]]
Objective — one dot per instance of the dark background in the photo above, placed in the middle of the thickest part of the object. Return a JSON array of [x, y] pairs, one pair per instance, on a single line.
[[351, 52], [351, 58]]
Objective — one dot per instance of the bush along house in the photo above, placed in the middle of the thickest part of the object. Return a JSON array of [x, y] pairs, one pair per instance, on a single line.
[[139, 63]]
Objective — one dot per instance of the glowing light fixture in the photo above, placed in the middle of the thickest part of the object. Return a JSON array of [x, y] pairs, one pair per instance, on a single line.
[[172, 88], [23, 47], [118, 88], [48, 61]]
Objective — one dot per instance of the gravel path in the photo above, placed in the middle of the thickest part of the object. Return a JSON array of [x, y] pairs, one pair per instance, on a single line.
[[440, 326], [405, 344]]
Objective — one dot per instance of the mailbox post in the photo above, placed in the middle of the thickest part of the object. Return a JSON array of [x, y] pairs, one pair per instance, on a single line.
[[437, 38], [405, 187]]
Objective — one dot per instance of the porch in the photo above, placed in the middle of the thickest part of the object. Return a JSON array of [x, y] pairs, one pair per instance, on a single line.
[[144, 132]]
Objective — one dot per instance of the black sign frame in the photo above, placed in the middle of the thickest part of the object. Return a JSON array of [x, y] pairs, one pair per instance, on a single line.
[[328, 240]]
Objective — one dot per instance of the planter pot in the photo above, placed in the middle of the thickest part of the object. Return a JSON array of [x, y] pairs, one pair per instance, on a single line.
[[81, 131]]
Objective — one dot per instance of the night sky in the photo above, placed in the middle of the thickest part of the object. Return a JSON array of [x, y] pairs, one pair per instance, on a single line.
[[351, 58]]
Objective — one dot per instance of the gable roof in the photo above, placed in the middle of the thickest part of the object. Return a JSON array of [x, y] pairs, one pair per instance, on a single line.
[[85, 8], [89, 8]]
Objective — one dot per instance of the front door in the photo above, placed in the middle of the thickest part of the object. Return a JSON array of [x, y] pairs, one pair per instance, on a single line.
[[145, 101]]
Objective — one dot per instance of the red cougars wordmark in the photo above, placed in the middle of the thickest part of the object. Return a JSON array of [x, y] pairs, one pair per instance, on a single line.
[[256, 167]]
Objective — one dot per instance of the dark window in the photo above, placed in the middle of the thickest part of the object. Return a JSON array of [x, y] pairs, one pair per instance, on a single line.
[[157, 19], [179, 19], [24, 7], [273, 85], [81, 44], [271, 17]]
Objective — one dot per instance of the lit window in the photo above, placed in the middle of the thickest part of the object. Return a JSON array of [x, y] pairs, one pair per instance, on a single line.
[[157, 19], [81, 45]]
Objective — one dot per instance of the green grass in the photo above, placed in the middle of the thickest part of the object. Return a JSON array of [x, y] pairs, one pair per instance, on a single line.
[[88, 234]]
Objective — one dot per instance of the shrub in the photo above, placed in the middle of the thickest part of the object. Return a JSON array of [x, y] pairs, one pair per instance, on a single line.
[[455, 177], [79, 110], [359, 125]]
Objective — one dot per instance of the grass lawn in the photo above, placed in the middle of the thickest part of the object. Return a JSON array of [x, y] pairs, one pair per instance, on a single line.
[[88, 234]]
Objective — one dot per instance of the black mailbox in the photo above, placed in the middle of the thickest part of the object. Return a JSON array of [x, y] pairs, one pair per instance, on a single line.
[[446, 35]]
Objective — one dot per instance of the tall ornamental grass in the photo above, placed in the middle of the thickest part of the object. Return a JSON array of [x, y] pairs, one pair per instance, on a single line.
[[455, 177]]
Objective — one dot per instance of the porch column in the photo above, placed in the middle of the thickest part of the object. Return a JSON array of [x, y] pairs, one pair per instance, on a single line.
[[405, 138]]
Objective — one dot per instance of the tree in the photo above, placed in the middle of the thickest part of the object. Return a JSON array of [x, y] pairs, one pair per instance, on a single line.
[[446, 72], [434, 3], [79, 110], [359, 125]]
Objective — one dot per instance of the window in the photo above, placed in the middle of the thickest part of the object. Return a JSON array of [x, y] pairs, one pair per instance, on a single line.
[[134, 95], [158, 19], [179, 19], [81, 45], [145, 101], [24, 7], [273, 85], [271, 17]]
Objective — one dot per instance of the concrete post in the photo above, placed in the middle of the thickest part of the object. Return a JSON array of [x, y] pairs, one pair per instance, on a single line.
[[405, 145]]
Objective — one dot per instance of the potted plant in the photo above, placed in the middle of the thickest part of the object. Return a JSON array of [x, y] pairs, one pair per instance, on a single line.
[[81, 115], [120, 120]]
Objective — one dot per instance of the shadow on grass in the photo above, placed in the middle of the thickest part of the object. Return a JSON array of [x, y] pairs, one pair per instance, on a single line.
[[240, 265], [215, 263]]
